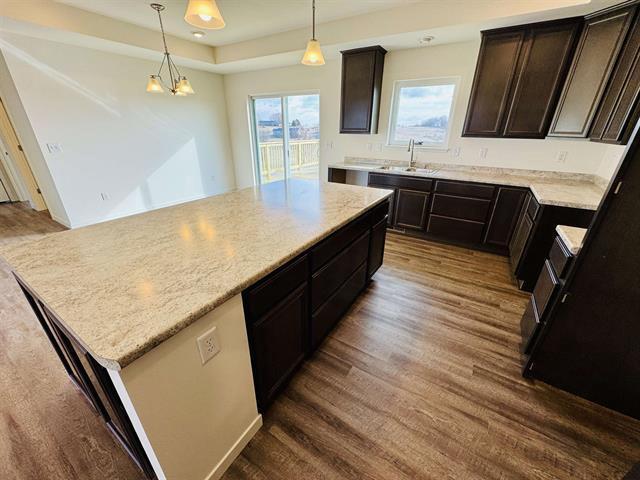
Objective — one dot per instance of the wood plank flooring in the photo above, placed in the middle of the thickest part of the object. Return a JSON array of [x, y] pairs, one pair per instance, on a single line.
[[47, 429], [420, 380]]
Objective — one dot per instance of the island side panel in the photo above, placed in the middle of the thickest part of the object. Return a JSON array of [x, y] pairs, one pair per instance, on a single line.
[[196, 418]]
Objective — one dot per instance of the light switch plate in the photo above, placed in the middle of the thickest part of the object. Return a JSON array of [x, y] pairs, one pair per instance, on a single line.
[[208, 345]]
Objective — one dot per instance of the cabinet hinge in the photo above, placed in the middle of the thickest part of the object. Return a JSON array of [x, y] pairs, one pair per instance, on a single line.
[[615, 192], [39, 191], [20, 148]]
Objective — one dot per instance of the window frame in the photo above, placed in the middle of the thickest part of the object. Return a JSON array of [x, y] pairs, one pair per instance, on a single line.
[[422, 82]]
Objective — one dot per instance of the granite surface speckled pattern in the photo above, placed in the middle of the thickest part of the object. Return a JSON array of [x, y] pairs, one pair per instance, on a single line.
[[572, 237], [124, 286], [575, 190]]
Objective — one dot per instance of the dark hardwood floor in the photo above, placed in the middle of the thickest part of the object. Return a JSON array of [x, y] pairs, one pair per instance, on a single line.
[[47, 428], [420, 380]]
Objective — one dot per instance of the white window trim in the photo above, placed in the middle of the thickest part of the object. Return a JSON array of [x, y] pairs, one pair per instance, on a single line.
[[418, 82]]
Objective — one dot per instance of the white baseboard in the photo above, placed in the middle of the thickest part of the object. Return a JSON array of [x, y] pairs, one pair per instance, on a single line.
[[233, 453], [61, 221]]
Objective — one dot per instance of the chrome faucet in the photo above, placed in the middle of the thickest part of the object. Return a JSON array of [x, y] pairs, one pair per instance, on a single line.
[[412, 144]]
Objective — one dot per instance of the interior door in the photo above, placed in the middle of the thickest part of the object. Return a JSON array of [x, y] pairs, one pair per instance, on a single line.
[[7, 192]]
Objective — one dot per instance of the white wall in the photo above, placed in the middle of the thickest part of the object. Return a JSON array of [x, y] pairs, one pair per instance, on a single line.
[[457, 59], [142, 150], [29, 143]]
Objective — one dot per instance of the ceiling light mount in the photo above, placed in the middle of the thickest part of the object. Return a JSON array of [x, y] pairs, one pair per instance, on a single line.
[[178, 83], [313, 54], [198, 34], [426, 40]]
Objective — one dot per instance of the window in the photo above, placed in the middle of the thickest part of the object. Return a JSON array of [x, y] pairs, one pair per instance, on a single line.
[[286, 152], [422, 110]]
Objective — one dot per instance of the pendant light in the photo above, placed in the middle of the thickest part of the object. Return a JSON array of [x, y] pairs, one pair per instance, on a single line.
[[178, 84], [204, 14], [313, 54]]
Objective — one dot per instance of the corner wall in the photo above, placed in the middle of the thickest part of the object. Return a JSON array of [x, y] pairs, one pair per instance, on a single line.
[[123, 150], [457, 59]]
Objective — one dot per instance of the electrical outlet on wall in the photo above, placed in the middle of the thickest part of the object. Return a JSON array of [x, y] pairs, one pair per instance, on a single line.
[[208, 345], [455, 152], [483, 152], [54, 147], [105, 196], [562, 156]]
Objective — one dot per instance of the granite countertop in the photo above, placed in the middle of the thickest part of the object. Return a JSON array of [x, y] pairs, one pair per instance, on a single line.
[[572, 237], [550, 188], [124, 286]]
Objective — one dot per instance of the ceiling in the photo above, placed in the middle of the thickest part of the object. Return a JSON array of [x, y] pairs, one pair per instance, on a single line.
[[246, 19]]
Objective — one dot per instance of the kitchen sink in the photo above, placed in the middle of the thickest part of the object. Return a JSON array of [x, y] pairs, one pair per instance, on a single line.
[[408, 169]]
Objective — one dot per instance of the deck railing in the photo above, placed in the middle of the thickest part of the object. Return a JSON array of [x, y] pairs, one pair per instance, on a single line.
[[305, 156]]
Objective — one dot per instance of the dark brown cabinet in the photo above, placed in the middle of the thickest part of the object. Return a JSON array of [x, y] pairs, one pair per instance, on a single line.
[[519, 241], [518, 75], [279, 344], [361, 88], [93, 381], [619, 109], [291, 311], [505, 213], [411, 209], [600, 43]]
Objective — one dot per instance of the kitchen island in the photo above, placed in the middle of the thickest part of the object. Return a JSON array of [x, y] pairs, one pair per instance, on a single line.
[[124, 302]]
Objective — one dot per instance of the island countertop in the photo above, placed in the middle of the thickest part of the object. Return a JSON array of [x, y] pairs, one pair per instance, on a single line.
[[550, 188], [124, 286]]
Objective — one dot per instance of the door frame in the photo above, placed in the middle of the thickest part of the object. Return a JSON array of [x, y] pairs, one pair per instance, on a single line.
[[10, 141], [253, 132]]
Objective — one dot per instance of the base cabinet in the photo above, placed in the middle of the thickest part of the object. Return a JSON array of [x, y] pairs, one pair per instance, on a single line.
[[292, 310], [93, 381], [411, 209]]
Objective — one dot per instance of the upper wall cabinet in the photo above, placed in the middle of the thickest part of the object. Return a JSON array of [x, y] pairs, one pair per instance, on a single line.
[[596, 54], [361, 86], [519, 73], [619, 110]]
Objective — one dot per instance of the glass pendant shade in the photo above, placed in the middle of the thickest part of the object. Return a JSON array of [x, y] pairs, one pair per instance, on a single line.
[[153, 85], [204, 14], [185, 87], [313, 53]]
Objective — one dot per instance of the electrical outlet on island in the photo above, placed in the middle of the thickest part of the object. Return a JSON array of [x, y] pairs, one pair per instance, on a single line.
[[208, 345]]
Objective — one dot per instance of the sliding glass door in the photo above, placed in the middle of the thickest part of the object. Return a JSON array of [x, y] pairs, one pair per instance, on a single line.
[[285, 152]]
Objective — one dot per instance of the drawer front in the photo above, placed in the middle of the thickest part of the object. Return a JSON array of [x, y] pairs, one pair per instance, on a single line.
[[324, 319], [545, 288], [465, 231], [532, 208], [560, 258], [391, 180], [338, 241], [465, 189], [460, 207], [529, 327], [333, 274], [275, 287]]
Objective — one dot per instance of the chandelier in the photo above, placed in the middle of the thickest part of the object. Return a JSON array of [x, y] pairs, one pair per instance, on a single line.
[[178, 84]]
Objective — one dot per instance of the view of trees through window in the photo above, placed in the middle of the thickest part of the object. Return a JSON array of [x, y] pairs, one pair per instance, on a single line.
[[422, 112], [296, 154]]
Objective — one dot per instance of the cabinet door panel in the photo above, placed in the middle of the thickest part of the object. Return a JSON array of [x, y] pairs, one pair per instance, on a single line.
[[376, 246], [411, 209], [454, 229], [616, 114], [361, 87], [519, 241], [504, 216], [595, 57], [545, 56], [495, 70], [279, 344]]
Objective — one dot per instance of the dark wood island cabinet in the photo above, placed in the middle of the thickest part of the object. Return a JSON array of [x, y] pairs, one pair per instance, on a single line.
[[292, 310]]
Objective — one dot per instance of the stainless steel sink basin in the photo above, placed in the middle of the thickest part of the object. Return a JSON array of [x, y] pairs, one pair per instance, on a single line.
[[426, 171]]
